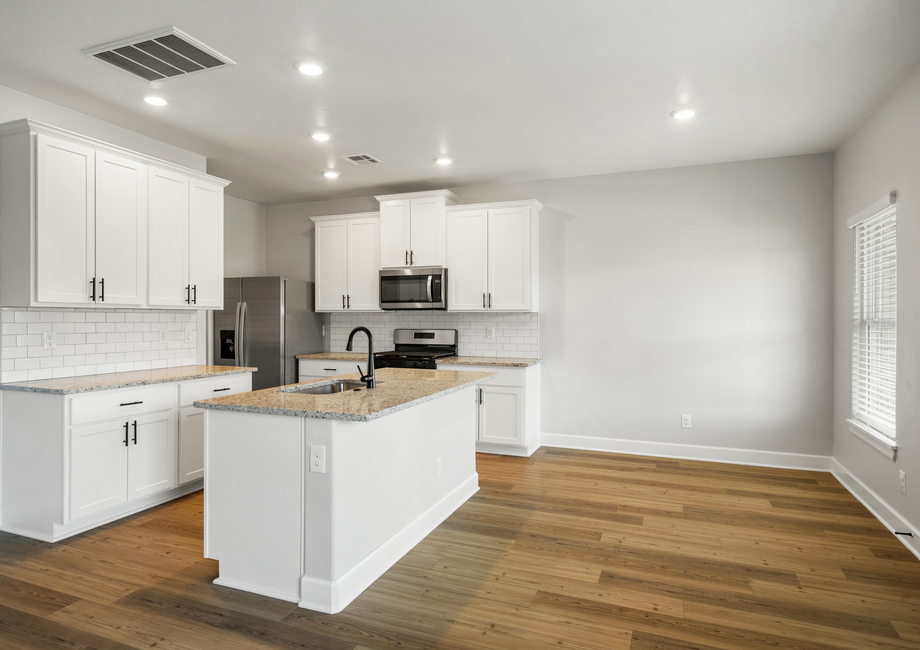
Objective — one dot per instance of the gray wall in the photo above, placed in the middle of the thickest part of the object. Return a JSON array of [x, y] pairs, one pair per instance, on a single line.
[[15, 105], [703, 290], [244, 238], [882, 155]]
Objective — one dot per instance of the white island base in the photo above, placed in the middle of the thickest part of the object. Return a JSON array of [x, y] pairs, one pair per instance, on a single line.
[[281, 529]]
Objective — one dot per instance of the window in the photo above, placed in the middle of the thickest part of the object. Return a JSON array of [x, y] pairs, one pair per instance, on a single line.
[[875, 321]]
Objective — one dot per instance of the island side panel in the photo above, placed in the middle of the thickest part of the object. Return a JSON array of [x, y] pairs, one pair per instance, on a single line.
[[386, 492], [254, 501]]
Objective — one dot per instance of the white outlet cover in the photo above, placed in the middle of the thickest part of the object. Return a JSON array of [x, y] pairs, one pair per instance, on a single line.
[[161, 336]]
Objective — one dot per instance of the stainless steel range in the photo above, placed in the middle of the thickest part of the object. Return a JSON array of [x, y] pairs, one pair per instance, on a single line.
[[418, 349]]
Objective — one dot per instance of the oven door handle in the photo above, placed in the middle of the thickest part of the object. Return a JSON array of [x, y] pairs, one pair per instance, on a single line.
[[430, 278]]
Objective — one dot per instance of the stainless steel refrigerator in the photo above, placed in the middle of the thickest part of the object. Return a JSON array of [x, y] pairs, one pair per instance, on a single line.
[[266, 323]]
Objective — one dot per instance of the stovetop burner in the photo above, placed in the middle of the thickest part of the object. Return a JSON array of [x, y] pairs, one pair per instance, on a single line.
[[418, 349]]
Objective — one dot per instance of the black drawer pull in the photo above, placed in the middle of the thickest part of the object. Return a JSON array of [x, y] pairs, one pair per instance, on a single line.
[[220, 390], [130, 403], [330, 369]]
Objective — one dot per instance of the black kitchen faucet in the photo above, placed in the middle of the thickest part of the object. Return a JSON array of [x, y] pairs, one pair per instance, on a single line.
[[369, 377]]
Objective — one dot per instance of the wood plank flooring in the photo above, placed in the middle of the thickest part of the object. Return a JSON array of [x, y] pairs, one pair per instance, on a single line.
[[567, 549]]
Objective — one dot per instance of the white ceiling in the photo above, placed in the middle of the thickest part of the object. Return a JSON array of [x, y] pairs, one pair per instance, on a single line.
[[511, 89]]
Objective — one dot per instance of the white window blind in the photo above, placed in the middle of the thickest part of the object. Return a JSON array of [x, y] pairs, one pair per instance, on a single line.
[[875, 319]]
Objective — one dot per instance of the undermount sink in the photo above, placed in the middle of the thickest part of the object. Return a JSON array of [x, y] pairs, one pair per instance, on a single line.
[[328, 389]]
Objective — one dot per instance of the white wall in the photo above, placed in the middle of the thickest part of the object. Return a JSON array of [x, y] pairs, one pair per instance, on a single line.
[[702, 290], [15, 105], [882, 155], [244, 238]]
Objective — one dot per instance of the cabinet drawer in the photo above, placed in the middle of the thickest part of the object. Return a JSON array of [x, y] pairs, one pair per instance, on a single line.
[[506, 376], [323, 368], [192, 391], [110, 404]]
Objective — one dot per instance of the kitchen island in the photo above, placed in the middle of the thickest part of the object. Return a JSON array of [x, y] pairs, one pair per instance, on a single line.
[[310, 498]]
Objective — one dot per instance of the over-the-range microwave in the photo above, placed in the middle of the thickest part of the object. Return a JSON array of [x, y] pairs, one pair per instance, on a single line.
[[421, 288]]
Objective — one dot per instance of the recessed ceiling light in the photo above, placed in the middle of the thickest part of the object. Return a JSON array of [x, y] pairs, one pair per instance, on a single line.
[[683, 113], [331, 174], [322, 137], [310, 68], [443, 160], [155, 101]]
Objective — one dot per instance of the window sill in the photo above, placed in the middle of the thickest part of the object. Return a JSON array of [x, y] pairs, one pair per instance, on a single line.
[[879, 442]]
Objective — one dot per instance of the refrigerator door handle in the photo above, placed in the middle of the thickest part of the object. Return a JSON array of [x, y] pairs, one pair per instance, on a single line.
[[236, 332], [241, 335]]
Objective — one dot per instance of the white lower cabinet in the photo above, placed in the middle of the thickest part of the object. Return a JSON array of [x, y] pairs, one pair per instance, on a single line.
[[508, 409], [73, 462]]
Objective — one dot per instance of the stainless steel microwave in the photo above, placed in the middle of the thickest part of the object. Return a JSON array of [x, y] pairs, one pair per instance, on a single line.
[[421, 288]]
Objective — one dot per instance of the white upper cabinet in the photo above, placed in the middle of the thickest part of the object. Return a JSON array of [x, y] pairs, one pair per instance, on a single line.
[[348, 262], [412, 228], [65, 221], [121, 230], [493, 257], [86, 223]]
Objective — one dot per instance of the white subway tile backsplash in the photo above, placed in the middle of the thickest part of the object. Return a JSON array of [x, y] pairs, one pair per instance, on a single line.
[[516, 335], [92, 341]]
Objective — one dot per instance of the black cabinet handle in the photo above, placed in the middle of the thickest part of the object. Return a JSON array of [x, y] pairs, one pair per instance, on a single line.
[[480, 396], [490, 300], [349, 302], [483, 301], [407, 258], [135, 432], [93, 282], [219, 390], [188, 294], [194, 294], [411, 258], [102, 289], [126, 434], [330, 369], [343, 301], [130, 403]]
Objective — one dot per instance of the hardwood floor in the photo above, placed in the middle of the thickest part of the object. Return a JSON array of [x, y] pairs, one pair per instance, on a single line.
[[566, 549]]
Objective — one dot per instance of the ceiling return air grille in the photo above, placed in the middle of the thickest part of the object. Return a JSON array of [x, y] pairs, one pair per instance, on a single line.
[[359, 159], [164, 54]]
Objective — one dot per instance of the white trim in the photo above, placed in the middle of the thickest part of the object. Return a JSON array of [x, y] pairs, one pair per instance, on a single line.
[[755, 457], [505, 450], [878, 441], [339, 217], [880, 509], [529, 203], [332, 596], [873, 209], [447, 194]]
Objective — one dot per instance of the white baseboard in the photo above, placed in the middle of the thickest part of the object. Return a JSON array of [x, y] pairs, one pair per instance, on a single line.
[[754, 457], [890, 518], [505, 450], [333, 596]]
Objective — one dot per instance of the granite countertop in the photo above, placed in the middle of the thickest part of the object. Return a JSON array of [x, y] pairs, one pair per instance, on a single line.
[[88, 383], [461, 361], [397, 389]]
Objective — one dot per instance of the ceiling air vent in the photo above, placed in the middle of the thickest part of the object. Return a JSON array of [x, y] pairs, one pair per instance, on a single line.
[[164, 54], [359, 159]]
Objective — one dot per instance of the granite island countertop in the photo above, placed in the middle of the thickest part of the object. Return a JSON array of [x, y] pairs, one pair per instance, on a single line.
[[397, 389], [500, 362], [108, 381]]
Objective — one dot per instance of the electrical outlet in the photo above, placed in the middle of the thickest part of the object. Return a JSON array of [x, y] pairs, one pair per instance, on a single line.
[[902, 481], [437, 467], [189, 335], [161, 336], [490, 332], [318, 459], [685, 421], [48, 341]]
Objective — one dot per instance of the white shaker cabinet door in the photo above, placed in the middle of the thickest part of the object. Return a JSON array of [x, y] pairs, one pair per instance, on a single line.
[[331, 265], [98, 467], [152, 454], [191, 444], [206, 244], [467, 238], [501, 415], [121, 231], [509, 259], [65, 224], [426, 239], [394, 234], [168, 231], [363, 265]]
